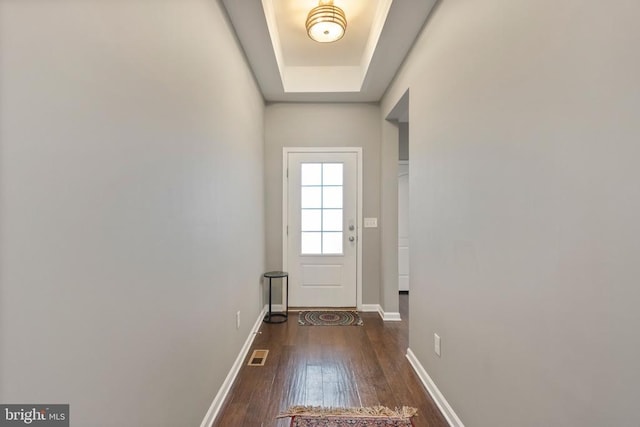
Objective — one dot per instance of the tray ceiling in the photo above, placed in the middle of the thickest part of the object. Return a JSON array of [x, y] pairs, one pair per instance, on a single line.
[[289, 66]]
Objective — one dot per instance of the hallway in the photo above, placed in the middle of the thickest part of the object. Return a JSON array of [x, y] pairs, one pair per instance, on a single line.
[[328, 366], [143, 188]]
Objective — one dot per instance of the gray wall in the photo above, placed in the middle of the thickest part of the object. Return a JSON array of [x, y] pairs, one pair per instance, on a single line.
[[325, 125], [389, 213], [131, 182], [524, 209]]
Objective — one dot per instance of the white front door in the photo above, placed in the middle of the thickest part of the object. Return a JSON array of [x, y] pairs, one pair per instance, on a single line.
[[322, 222]]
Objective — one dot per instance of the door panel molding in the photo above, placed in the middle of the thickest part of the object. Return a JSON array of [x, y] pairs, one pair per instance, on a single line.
[[359, 214]]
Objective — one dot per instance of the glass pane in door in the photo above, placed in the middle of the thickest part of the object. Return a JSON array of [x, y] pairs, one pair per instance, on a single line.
[[321, 213]]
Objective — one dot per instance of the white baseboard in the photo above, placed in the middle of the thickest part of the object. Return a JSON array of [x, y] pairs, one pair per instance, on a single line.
[[368, 308], [276, 308], [377, 308], [218, 401], [438, 397], [391, 316], [372, 308]]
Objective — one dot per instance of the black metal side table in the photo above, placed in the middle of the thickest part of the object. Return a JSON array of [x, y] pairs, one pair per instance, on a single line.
[[271, 317]]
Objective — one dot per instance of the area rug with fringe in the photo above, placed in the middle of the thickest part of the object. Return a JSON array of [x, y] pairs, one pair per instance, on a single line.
[[329, 318], [376, 416]]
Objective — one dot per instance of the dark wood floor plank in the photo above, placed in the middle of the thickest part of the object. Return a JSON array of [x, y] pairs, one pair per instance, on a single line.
[[338, 366]]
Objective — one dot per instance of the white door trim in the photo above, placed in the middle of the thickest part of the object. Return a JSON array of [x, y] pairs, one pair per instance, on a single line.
[[285, 206]]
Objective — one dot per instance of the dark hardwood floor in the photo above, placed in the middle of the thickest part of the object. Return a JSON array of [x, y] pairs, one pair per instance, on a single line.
[[339, 366]]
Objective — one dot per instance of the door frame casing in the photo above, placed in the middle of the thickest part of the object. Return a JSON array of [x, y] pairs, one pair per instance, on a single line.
[[285, 206]]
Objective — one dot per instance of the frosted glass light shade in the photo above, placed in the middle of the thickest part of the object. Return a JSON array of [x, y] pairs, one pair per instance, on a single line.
[[326, 23]]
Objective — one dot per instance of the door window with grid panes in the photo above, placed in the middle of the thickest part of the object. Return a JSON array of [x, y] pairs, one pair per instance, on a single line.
[[321, 210]]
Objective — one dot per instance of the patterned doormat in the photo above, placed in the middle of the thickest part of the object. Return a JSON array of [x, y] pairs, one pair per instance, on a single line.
[[329, 318], [305, 416]]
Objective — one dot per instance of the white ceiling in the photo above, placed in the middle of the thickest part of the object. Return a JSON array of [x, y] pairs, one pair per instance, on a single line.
[[289, 66]]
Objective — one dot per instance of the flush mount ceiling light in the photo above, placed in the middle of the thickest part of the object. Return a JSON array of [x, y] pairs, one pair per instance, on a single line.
[[326, 23]]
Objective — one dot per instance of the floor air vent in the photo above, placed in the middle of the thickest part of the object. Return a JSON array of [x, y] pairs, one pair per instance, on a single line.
[[258, 357]]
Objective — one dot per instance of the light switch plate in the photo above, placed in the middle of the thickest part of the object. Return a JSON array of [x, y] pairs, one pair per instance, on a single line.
[[370, 222]]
